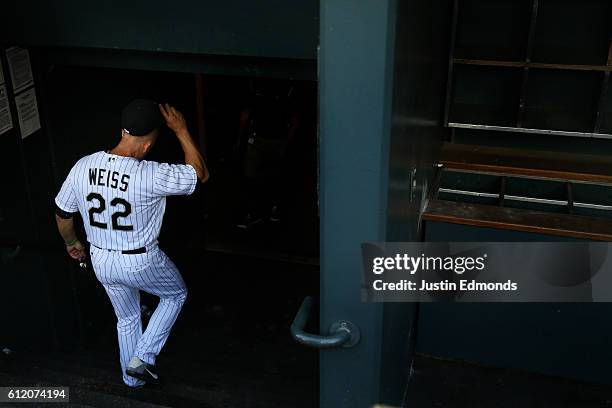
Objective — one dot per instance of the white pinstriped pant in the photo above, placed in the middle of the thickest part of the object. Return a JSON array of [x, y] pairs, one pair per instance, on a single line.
[[122, 277]]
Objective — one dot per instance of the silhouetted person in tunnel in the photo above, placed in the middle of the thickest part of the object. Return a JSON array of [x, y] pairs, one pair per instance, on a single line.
[[122, 200], [267, 126]]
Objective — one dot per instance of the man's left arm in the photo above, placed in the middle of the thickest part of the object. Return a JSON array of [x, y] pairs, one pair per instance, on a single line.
[[65, 209], [66, 229]]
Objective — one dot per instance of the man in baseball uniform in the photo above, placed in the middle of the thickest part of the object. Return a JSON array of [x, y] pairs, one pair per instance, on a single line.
[[122, 199]]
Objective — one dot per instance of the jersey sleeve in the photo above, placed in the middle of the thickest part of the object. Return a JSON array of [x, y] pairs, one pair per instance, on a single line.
[[174, 179], [66, 199]]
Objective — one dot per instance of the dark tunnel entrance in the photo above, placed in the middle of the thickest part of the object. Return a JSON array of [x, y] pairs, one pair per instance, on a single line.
[[231, 344]]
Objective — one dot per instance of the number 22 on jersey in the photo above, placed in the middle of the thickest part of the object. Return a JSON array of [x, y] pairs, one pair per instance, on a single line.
[[100, 206]]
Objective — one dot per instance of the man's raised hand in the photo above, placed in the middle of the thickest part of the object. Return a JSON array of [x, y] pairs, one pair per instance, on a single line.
[[174, 119]]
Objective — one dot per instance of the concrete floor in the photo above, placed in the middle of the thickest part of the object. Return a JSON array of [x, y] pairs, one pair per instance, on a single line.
[[260, 381], [223, 375]]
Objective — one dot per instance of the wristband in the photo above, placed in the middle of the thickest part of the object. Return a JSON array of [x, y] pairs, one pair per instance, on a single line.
[[72, 242]]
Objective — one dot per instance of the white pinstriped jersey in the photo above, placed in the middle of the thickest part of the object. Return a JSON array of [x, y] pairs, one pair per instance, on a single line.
[[122, 200]]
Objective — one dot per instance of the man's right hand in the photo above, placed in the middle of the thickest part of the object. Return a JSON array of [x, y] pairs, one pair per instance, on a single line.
[[174, 119]]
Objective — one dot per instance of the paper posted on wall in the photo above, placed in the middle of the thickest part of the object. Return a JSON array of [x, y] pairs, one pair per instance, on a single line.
[[20, 68], [27, 112], [6, 121]]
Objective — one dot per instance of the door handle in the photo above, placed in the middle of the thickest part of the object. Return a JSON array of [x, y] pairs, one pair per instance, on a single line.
[[342, 333]]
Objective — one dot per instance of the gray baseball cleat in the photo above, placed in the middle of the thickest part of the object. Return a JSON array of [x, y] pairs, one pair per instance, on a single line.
[[143, 371]]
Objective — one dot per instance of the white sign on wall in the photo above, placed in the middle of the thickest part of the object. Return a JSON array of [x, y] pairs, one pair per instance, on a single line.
[[20, 68], [27, 112]]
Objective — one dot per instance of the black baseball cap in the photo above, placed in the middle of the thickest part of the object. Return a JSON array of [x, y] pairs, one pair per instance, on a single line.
[[140, 117]]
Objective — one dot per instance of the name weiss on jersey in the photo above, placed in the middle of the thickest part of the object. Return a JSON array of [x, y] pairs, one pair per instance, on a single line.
[[106, 178]]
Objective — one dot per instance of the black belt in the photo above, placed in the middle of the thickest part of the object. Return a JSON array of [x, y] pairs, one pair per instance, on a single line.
[[129, 251], [135, 251]]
